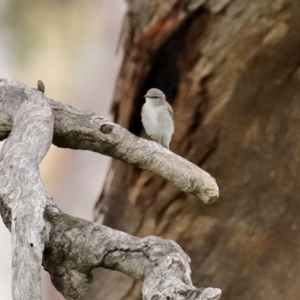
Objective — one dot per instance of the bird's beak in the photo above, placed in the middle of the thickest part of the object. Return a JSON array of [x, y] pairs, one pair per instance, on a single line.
[[145, 96]]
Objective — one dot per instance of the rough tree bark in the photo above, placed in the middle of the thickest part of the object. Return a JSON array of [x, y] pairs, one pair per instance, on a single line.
[[231, 70], [70, 248]]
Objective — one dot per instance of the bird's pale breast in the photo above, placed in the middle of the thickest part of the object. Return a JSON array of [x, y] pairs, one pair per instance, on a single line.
[[157, 120]]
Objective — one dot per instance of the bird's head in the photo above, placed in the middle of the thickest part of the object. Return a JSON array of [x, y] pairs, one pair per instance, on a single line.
[[155, 95]]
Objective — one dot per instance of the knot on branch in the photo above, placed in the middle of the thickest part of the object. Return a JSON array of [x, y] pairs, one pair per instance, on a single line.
[[41, 86], [106, 129]]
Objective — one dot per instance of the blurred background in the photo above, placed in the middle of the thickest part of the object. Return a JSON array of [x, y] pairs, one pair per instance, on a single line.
[[71, 46]]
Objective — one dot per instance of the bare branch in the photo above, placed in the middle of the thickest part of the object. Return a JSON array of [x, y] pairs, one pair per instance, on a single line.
[[21, 190], [75, 247], [72, 247], [78, 129]]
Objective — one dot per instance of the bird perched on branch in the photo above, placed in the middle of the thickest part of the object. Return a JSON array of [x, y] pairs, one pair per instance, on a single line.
[[157, 117]]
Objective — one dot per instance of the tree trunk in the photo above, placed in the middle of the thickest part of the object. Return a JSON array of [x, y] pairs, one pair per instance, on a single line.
[[230, 69]]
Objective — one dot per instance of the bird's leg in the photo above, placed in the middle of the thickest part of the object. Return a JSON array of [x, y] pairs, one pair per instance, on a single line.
[[163, 144]]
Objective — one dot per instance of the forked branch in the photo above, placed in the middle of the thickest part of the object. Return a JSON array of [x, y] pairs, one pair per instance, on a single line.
[[70, 248]]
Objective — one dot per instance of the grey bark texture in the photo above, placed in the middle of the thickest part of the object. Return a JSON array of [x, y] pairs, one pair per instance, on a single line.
[[70, 248], [22, 193]]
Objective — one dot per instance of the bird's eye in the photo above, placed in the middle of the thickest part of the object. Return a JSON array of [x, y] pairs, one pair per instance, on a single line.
[[155, 97]]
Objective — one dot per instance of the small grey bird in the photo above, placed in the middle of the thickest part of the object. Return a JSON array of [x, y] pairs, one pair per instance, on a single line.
[[157, 117]]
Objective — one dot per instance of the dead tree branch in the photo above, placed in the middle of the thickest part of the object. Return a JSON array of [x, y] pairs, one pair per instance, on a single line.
[[78, 129], [70, 248], [75, 247], [22, 194]]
